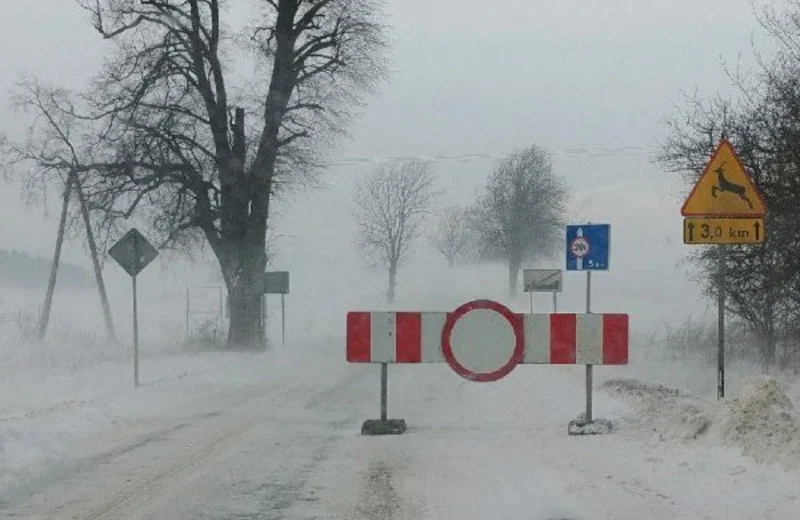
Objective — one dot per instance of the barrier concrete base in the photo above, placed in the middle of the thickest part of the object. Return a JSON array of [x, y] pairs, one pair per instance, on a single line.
[[581, 426], [383, 427]]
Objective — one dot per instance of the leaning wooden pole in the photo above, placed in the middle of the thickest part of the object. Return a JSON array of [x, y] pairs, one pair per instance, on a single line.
[[98, 273], [44, 319]]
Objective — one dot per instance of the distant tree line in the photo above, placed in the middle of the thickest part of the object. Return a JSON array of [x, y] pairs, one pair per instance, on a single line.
[[763, 124], [25, 271], [517, 217]]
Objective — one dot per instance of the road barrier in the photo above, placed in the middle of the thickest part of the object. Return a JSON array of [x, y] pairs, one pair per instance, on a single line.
[[482, 341]]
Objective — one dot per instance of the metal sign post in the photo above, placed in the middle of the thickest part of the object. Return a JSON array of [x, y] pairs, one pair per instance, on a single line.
[[135, 313], [384, 391], [588, 249], [283, 319], [133, 253], [277, 282], [589, 370], [724, 207], [720, 322]]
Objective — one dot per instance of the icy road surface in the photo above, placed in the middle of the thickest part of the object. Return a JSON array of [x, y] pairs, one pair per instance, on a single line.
[[286, 445]]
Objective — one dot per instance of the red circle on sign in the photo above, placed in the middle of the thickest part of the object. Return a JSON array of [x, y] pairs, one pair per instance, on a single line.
[[580, 254], [519, 344]]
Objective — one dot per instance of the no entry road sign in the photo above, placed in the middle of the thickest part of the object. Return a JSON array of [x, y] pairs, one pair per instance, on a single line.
[[483, 340]]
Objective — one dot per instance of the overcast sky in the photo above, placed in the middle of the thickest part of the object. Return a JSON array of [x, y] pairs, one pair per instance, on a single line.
[[471, 77]]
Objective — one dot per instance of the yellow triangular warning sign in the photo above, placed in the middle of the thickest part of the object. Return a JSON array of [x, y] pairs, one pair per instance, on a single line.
[[724, 189]]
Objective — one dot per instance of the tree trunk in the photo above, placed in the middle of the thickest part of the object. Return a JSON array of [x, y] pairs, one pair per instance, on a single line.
[[44, 319], [240, 246], [769, 350], [390, 293], [246, 329], [768, 347], [244, 278], [98, 273]]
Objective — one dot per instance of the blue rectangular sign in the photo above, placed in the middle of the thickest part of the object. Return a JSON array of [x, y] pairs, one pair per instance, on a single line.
[[588, 247]]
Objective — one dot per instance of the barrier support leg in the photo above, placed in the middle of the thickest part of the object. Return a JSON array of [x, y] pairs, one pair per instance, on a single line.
[[586, 424], [383, 426]]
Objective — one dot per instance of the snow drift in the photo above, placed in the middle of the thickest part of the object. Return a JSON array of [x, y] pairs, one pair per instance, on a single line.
[[760, 420]]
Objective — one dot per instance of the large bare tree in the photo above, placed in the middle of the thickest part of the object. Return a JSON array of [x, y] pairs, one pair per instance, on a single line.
[[520, 214], [182, 142], [452, 235], [390, 205]]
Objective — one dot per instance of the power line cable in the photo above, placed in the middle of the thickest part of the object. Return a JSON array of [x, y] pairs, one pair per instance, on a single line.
[[575, 152]]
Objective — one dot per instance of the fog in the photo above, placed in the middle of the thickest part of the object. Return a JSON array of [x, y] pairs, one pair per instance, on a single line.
[[207, 432], [470, 82]]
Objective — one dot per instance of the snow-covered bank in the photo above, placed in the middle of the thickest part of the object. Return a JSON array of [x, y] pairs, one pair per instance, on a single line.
[[759, 420]]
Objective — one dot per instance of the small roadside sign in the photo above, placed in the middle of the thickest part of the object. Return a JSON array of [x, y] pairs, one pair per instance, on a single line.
[[588, 247], [724, 189], [723, 231], [542, 280], [276, 282], [724, 208], [133, 252]]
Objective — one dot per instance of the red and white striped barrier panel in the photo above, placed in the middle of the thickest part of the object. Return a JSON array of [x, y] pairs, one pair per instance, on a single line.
[[417, 337]]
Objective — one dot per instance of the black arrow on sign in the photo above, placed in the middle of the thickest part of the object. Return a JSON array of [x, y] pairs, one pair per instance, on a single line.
[[758, 230], [690, 227]]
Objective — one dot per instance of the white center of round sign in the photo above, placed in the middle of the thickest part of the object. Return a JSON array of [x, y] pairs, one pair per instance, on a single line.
[[482, 341]]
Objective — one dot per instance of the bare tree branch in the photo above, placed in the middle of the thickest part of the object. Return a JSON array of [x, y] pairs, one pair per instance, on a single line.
[[520, 214], [453, 237], [390, 205]]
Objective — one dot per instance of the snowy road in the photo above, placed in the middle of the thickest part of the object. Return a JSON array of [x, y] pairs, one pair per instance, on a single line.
[[288, 447]]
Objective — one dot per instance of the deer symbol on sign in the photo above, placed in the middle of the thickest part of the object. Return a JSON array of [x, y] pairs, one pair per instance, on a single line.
[[724, 185]]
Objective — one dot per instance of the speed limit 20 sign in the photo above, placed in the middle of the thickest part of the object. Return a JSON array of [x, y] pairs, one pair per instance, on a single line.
[[588, 247]]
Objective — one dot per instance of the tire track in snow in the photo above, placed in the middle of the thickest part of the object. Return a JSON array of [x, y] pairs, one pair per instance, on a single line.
[[278, 496], [196, 457], [121, 441], [380, 499], [137, 485]]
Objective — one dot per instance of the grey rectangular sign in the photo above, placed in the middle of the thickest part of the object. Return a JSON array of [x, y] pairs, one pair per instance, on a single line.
[[542, 280], [276, 282]]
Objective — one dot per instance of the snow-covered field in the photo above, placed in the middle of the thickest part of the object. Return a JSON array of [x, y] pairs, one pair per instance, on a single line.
[[275, 435]]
